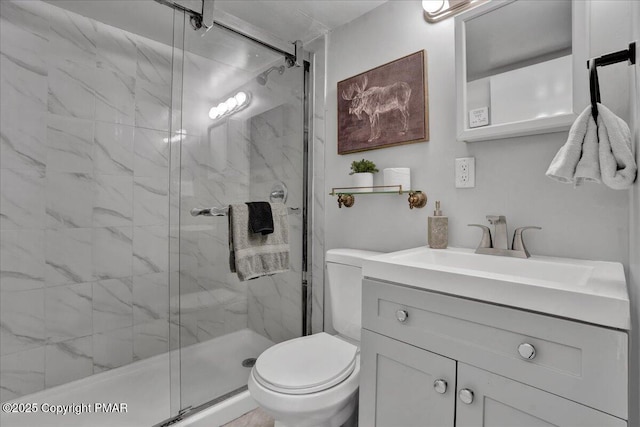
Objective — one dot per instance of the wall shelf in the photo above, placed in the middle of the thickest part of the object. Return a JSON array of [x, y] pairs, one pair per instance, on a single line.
[[346, 195]]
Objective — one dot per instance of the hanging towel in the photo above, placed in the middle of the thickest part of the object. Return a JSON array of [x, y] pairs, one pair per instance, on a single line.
[[617, 164], [597, 153], [565, 164], [252, 255], [260, 217]]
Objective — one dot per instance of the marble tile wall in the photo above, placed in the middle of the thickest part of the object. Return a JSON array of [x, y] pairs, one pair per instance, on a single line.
[[214, 171], [235, 161], [83, 197], [275, 302]]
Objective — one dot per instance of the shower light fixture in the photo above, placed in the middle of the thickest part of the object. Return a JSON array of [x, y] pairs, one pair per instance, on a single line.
[[222, 108], [231, 103], [235, 103], [241, 97]]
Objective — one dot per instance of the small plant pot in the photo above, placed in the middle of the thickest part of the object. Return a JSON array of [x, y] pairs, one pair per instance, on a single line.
[[364, 180]]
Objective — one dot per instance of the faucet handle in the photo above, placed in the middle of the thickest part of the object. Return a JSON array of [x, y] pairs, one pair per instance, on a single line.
[[518, 243], [496, 219], [485, 242]]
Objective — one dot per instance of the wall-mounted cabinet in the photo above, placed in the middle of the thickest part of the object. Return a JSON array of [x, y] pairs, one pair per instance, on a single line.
[[520, 68], [429, 359]]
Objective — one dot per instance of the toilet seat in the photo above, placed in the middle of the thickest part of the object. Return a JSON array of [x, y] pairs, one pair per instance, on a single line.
[[306, 365]]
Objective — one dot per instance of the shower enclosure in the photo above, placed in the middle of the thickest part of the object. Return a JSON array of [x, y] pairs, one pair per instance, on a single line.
[[118, 119], [238, 135]]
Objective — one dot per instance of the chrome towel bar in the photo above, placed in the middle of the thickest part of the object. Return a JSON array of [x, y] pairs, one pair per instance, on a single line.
[[222, 211]]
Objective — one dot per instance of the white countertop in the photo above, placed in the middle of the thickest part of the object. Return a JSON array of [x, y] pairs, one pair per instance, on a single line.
[[588, 291]]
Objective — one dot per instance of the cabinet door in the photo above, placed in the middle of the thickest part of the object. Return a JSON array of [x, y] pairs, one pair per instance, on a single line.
[[397, 385], [499, 401]]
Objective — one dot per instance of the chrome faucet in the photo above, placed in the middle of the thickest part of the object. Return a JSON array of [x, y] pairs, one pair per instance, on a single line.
[[499, 223], [501, 247]]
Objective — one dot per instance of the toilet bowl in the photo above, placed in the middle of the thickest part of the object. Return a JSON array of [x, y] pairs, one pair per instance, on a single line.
[[308, 397], [312, 381]]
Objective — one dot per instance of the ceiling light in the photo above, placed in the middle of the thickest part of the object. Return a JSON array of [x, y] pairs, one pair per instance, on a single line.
[[433, 6], [437, 10], [214, 113]]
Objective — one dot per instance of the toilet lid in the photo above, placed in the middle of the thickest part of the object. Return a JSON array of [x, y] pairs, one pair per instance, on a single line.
[[306, 365]]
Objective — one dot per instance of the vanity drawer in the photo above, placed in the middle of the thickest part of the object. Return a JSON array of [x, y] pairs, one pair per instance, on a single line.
[[582, 362]]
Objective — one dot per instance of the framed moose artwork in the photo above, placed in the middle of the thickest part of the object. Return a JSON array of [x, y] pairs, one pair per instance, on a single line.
[[385, 106]]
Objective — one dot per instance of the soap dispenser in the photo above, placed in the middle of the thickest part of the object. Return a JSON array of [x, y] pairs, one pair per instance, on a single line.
[[438, 229]]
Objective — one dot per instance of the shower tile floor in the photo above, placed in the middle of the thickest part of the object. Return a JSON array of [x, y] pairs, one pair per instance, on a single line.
[[209, 369]]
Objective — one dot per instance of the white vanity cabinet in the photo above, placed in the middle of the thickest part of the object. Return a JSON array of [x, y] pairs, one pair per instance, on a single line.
[[502, 366], [397, 384]]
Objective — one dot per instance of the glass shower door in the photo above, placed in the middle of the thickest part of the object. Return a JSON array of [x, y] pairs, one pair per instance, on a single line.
[[238, 134]]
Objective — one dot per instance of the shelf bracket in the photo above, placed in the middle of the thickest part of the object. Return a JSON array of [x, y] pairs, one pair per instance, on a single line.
[[345, 199], [417, 199]]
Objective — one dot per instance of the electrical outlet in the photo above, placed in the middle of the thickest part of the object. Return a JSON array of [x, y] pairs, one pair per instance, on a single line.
[[466, 172]]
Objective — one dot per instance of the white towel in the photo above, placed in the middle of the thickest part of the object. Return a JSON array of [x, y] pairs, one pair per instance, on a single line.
[[599, 153], [564, 165], [253, 255], [617, 164]]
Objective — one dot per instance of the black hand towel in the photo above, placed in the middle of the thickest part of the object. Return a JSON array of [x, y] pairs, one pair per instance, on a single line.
[[260, 217]]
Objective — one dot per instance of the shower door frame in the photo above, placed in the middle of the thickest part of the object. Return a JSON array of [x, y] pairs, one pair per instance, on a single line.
[[300, 58]]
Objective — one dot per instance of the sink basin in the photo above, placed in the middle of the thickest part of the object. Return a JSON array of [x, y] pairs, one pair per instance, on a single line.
[[465, 261], [589, 291]]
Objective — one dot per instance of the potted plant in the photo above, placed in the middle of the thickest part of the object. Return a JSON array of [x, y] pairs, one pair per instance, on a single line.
[[363, 171]]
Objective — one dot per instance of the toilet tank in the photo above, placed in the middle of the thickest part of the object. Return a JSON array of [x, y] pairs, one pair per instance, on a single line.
[[344, 278]]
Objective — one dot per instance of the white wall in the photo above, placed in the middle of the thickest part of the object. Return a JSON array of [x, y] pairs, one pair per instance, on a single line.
[[634, 232], [591, 222]]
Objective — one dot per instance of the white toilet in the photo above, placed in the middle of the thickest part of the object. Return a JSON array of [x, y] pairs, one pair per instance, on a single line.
[[312, 381]]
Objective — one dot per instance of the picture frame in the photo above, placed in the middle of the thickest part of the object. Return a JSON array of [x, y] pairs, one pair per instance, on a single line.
[[385, 106]]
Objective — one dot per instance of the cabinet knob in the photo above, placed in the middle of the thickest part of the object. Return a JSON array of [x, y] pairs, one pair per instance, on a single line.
[[440, 386], [402, 315], [466, 396], [527, 351]]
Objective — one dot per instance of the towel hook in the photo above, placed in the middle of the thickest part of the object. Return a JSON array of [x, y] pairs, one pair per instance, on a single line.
[[608, 59], [594, 88]]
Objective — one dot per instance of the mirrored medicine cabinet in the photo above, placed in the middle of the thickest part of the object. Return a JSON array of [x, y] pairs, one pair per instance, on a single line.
[[520, 68]]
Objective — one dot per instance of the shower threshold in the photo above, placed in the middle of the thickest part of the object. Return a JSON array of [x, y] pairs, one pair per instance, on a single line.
[[209, 369], [193, 416]]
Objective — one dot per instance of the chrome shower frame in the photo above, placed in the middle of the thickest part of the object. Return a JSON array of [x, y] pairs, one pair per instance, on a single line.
[[199, 20], [204, 20]]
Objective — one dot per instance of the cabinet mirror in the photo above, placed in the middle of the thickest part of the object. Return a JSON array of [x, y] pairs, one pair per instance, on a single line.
[[520, 68]]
